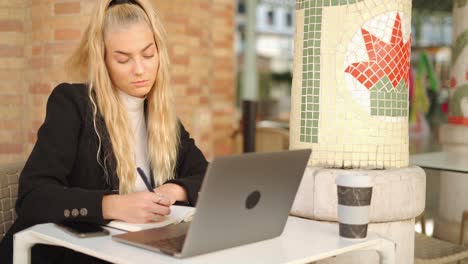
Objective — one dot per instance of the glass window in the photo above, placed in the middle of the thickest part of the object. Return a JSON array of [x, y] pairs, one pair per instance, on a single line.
[[288, 19], [270, 17], [241, 7]]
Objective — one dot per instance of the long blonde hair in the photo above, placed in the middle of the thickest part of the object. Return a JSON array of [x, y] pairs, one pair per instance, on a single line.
[[88, 64]]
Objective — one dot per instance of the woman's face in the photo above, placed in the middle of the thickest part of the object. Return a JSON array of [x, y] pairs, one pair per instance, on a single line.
[[132, 58]]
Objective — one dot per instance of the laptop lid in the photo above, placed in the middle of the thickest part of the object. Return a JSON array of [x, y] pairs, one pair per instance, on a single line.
[[245, 198]]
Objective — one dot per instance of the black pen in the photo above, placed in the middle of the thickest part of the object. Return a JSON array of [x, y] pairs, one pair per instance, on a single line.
[[145, 179]]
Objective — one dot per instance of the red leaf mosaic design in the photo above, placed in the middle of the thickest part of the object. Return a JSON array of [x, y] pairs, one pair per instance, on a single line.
[[453, 82], [385, 59]]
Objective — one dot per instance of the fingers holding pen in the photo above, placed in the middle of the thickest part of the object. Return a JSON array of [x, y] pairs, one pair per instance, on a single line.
[[161, 199]]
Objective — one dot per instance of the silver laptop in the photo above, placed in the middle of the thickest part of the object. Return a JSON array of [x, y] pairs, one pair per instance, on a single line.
[[243, 199]]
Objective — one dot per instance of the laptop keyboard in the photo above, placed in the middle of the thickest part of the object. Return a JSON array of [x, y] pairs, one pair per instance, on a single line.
[[171, 245]]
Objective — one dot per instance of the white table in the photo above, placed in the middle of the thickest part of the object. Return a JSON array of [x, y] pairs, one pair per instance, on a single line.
[[445, 161], [302, 241]]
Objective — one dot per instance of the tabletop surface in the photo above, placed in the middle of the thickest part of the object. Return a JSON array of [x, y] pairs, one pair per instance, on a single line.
[[447, 161], [302, 241]]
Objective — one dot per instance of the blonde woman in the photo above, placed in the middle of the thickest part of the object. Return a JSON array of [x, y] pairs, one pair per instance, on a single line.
[[105, 142]]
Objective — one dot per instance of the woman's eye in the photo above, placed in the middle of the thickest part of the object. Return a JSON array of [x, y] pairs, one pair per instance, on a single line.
[[148, 56], [122, 62]]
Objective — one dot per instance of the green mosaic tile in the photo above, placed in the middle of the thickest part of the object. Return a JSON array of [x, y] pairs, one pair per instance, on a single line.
[[461, 3], [311, 60], [459, 45], [455, 102], [299, 4], [387, 100]]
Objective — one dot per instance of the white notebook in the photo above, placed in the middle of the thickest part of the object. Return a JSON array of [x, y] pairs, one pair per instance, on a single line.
[[178, 214]]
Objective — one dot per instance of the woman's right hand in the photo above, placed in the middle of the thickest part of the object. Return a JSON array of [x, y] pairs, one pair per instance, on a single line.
[[138, 207]]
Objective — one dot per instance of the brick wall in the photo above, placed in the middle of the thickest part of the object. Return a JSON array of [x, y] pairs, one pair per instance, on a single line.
[[12, 84], [36, 37]]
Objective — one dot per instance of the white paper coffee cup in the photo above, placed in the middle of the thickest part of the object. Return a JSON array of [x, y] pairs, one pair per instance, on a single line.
[[354, 199]]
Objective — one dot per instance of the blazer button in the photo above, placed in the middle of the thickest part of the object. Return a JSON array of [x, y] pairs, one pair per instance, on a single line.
[[75, 212], [83, 212], [66, 213]]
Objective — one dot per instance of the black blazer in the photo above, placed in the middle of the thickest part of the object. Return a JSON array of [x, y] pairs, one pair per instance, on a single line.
[[62, 179]]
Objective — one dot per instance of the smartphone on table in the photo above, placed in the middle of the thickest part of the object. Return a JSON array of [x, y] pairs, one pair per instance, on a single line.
[[83, 229]]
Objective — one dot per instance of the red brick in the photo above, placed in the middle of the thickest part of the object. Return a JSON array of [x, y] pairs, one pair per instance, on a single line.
[[36, 124], [223, 147], [41, 62], [204, 100], [32, 137], [67, 8], [11, 51], [11, 75], [194, 91], [67, 34], [8, 25], [37, 50], [10, 124], [9, 99], [39, 88], [180, 60], [10, 148], [180, 79], [58, 48]]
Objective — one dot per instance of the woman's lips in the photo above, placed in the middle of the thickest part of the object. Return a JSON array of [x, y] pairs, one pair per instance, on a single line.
[[140, 83]]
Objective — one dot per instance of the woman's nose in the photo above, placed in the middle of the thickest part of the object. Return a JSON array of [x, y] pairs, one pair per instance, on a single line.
[[138, 69]]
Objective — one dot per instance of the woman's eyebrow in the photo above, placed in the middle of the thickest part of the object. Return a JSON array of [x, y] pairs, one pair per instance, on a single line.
[[127, 54]]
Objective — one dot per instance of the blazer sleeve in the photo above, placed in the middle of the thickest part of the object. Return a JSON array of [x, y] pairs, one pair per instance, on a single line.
[[44, 192], [190, 168]]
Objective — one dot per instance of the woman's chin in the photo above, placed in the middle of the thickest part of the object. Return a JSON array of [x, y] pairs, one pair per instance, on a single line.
[[139, 92]]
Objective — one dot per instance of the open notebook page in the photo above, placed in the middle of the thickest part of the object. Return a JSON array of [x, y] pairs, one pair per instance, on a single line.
[[178, 214]]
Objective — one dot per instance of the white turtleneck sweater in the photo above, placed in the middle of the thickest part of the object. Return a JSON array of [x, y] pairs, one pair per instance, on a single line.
[[136, 116]]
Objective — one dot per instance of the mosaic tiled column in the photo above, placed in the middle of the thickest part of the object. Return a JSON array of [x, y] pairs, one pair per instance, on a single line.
[[350, 106], [453, 197]]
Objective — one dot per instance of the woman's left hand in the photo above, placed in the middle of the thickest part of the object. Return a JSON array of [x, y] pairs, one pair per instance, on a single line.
[[172, 192]]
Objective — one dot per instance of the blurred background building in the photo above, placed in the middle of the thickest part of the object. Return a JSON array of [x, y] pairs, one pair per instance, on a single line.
[[275, 40]]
